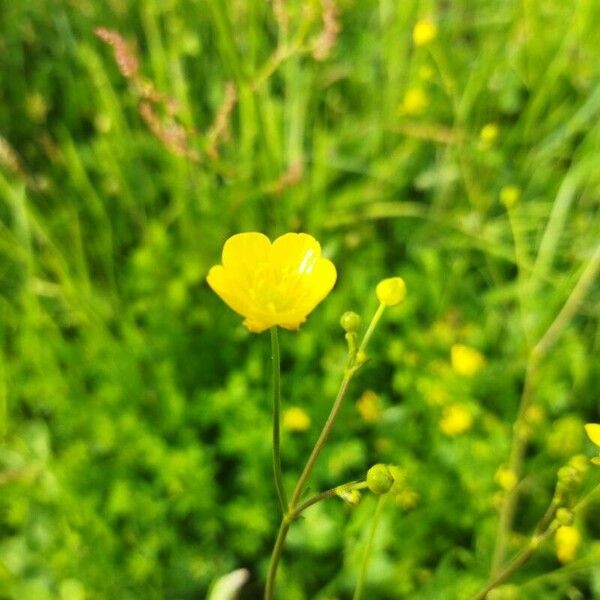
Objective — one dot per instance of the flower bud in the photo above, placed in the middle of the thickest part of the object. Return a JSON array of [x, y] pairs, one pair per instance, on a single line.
[[349, 495], [391, 291], [379, 479], [350, 322], [361, 358]]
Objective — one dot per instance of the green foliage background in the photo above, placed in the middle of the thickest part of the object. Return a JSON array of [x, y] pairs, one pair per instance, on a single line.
[[134, 407]]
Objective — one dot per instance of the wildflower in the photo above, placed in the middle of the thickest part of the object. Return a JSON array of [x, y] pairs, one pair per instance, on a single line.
[[391, 291], [593, 431], [489, 133], [506, 478], [415, 101], [296, 419], [567, 541], [510, 195], [424, 32], [456, 420], [369, 407], [271, 284], [465, 360]]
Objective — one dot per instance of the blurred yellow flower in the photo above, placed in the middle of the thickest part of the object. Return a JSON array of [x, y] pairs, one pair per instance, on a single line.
[[369, 407], [506, 478], [567, 541], [424, 32], [456, 419], [593, 431], [415, 101], [295, 419], [488, 134], [466, 360], [510, 195], [271, 284]]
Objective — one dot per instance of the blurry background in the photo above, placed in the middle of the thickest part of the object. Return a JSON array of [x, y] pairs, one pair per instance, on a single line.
[[454, 144]]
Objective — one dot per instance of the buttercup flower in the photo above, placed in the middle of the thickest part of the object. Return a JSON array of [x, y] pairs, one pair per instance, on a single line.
[[567, 540], [270, 284], [424, 32], [465, 360], [456, 420], [593, 431], [296, 419]]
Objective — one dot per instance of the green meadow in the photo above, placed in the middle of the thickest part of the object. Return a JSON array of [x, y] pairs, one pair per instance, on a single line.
[[453, 144]]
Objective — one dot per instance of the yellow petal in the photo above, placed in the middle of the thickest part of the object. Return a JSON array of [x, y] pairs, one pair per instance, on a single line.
[[317, 285], [295, 253], [593, 431], [242, 253], [272, 284], [220, 282]]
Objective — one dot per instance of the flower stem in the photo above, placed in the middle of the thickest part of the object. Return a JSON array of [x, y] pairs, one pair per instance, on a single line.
[[519, 438], [276, 556], [356, 485], [277, 421], [534, 543], [291, 512], [371, 327], [360, 583]]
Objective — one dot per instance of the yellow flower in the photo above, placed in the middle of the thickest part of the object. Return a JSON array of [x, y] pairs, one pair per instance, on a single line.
[[415, 101], [369, 407], [271, 284], [424, 32], [567, 541], [295, 419], [465, 360], [455, 420], [506, 478], [509, 195], [391, 291], [489, 133], [593, 431]]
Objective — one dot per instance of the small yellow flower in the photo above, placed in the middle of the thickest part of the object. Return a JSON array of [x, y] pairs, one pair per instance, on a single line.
[[296, 419], [567, 541], [506, 478], [510, 195], [456, 420], [489, 133], [369, 407], [465, 360], [271, 284], [593, 431], [424, 32], [415, 101], [391, 291]]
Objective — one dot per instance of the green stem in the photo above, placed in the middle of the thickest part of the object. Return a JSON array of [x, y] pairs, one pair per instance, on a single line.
[[519, 438], [360, 583], [277, 421], [536, 541], [290, 514], [355, 485], [276, 556], [371, 328]]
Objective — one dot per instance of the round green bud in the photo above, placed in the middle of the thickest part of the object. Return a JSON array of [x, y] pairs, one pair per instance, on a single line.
[[379, 479], [564, 516], [350, 322]]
